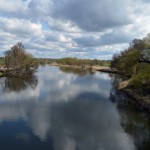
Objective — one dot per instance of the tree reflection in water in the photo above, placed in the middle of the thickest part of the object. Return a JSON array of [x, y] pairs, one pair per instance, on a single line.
[[17, 84], [133, 119], [77, 71]]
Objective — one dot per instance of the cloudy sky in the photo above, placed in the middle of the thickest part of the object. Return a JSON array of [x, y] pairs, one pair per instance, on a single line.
[[73, 28]]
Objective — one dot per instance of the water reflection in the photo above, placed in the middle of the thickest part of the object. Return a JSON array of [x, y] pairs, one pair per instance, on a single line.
[[18, 84], [134, 121], [138, 126], [69, 112], [78, 71], [81, 123]]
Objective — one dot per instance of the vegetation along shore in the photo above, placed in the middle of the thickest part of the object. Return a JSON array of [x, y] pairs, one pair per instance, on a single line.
[[133, 64]]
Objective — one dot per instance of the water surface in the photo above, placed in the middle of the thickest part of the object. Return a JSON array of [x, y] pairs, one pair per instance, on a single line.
[[67, 109]]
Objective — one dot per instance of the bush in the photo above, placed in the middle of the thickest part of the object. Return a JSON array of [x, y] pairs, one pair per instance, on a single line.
[[17, 57]]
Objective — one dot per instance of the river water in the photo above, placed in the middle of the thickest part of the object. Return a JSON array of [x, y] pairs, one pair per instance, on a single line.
[[67, 109]]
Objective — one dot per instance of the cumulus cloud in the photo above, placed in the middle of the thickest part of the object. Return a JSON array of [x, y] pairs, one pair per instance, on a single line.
[[147, 1], [116, 36], [11, 6], [76, 28], [19, 26], [93, 15]]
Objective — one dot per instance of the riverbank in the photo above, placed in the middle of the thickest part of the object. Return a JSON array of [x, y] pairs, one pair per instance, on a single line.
[[15, 72], [92, 68], [143, 100]]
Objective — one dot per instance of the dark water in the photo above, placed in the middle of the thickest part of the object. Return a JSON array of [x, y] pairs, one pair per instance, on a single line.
[[66, 109]]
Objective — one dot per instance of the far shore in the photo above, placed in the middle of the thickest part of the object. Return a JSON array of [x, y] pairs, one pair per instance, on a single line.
[[5, 71], [92, 68]]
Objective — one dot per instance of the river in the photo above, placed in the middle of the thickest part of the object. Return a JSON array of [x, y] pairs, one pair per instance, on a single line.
[[67, 109]]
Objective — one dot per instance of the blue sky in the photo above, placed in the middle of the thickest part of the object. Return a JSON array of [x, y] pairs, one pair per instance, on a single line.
[[73, 28]]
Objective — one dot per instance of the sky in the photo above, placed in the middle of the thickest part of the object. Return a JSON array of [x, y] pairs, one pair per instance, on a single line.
[[94, 29]]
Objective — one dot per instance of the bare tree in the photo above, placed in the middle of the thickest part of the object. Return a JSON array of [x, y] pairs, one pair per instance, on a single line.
[[17, 57]]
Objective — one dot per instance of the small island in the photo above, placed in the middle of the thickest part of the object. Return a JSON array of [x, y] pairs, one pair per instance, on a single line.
[[17, 62]]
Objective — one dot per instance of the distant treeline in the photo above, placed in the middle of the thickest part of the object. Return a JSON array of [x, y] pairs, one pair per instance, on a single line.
[[134, 62], [65, 61], [72, 61], [17, 57]]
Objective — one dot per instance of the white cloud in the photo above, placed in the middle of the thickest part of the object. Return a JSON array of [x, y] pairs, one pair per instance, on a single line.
[[11, 6], [20, 27], [50, 28]]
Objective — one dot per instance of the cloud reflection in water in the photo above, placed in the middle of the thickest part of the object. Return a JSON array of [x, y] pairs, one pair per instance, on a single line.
[[75, 111]]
